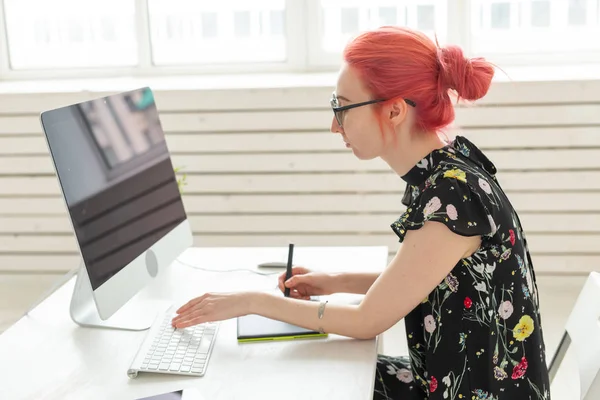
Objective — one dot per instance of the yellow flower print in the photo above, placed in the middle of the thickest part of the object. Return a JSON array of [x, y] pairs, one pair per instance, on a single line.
[[456, 174], [524, 328]]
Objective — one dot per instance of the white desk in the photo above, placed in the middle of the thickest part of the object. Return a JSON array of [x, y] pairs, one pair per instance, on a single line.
[[46, 356]]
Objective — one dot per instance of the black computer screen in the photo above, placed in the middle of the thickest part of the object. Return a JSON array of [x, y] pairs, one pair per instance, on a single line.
[[117, 177]]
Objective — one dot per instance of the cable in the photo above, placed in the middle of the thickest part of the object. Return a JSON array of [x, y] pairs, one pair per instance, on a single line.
[[228, 270], [63, 279]]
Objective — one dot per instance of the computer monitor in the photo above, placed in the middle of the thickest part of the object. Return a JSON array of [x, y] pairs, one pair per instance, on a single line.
[[120, 189]]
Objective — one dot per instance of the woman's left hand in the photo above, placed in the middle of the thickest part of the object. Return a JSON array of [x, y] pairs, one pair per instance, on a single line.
[[212, 307]]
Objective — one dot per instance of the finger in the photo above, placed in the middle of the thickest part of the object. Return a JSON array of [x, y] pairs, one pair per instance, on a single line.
[[185, 317], [186, 313], [193, 319], [292, 282], [188, 305], [296, 280], [198, 316], [191, 303], [299, 270]]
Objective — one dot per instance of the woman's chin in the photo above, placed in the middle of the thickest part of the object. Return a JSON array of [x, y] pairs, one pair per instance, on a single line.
[[361, 156]]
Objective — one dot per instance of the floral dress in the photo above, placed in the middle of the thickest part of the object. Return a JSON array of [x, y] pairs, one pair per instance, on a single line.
[[478, 334]]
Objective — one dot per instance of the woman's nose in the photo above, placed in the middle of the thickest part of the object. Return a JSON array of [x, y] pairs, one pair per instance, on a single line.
[[335, 127]]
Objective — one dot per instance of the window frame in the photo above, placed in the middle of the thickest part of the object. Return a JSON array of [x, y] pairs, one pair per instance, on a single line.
[[4, 59], [295, 15], [321, 60], [302, 25], [529, 58]]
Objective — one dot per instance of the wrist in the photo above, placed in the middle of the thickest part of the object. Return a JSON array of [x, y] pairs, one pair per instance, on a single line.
[[337, 282], [254, 302]]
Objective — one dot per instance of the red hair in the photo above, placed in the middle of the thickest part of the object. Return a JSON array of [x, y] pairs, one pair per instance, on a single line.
[[398, 62]]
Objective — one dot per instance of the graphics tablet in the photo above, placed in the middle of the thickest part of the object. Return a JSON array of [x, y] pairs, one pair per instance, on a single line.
[[254, 328]]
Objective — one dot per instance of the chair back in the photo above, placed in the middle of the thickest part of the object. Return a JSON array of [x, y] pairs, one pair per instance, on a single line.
[[583, 328]]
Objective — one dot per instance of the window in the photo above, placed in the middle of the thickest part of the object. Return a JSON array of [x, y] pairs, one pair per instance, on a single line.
[[78, 38], [203, 32], [340, 20], [44, 34], [534, 26]]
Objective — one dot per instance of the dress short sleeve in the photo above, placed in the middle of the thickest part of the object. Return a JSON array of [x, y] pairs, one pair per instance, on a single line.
[[449, 199]]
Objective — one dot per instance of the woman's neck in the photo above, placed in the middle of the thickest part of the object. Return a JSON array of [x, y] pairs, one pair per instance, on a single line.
[[405, 154]]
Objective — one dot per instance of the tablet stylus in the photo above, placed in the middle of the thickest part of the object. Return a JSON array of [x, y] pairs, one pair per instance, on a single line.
[[288, 271]]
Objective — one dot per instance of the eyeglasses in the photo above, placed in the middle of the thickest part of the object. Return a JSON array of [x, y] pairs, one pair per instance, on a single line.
[[338, 110]]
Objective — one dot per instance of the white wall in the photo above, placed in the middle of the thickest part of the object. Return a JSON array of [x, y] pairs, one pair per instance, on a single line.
[[263, 170]]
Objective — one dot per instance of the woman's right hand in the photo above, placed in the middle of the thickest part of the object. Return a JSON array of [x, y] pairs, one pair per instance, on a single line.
[[305, 283]]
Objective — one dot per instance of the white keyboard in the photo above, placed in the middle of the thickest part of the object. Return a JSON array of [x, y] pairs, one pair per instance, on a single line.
[[167, 350]]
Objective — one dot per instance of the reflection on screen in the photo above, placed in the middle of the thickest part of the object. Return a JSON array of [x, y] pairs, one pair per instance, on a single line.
[[185, 394], [117, 178], [177, 395]]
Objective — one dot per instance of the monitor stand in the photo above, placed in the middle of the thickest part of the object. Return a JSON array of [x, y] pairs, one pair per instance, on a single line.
[[84, 312]]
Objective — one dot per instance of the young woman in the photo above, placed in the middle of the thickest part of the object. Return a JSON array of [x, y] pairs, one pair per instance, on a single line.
[[462, 279]]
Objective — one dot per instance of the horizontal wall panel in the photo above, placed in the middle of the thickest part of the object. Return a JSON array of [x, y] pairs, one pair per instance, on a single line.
[[566, 202], [320, 119], [321, 141], [339, 224], [539, 91], [588, 114], [333, 162], [260, 92], [13, 125], [566, 264], [583, 244], [204, 99], [206, 143], [532, 138], [246, 204], [385, 181], [345, 161], [529, 115], [38, 262]]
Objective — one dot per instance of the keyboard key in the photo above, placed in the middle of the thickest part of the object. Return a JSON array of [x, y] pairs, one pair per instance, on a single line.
[[174, 367], [185, 368], [164, 366], [196, 370], [204, 345]]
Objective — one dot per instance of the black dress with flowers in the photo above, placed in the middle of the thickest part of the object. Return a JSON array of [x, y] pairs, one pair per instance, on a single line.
[[478, 334]]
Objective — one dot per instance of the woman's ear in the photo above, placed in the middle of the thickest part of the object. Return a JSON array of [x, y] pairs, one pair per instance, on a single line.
[[398, 111]]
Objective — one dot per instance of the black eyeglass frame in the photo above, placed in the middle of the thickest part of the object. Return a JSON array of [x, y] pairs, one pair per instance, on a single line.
[[339, 109]]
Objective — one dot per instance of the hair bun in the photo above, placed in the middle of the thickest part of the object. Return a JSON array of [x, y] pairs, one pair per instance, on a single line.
[[469, 78]]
